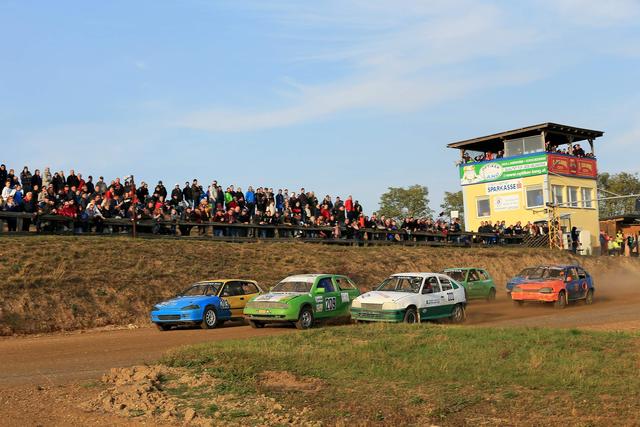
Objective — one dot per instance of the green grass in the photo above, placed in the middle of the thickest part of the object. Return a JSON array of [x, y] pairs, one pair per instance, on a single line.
[[447, 375]]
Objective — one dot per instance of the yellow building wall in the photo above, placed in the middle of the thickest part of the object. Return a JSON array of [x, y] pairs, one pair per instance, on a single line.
[[509, 203]]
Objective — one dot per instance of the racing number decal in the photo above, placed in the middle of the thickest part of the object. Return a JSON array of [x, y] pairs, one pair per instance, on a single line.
[[330, 303], [450, 296]]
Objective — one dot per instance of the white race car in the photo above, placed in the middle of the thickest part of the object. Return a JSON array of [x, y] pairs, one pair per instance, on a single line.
[[412, 298]]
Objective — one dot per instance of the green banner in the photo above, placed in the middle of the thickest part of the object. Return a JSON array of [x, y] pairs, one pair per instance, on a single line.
[[501, 169]]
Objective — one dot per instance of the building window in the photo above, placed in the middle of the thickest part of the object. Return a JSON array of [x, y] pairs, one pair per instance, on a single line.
[[572, 196], [535, 198], [586, 198], [482, 205], [557, 194], [520, 146]]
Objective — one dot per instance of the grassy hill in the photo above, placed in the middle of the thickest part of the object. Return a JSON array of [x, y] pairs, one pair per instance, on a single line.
[[52, 283]]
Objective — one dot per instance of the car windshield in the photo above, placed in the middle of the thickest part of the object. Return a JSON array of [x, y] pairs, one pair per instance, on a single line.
[[456, 274], [198, 289], [293, 286], [526, 272], [409, 284], [547, 273]]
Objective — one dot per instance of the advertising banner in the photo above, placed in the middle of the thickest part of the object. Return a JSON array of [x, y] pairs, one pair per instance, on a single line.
[[581, 167], [503, 169]]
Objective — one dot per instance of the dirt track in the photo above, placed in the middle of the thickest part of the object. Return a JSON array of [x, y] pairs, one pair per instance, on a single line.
[[61, 358]]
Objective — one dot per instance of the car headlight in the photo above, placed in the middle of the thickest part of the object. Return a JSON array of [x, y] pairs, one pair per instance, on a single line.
[[155, 308], [390, 306], [546, 290], [224, 304], [356, 304], [191, 307]]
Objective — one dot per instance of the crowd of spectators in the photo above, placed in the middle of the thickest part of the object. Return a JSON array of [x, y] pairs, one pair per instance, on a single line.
[[194, 208], [570, 150]]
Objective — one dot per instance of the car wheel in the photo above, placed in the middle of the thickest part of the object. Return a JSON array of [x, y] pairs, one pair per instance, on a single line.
[[411, 315], [518, 302], [492, 295], [209, 319], [305, 319], [561, 302], [589, 298], [256, 324], [163, 327], [458, 314]]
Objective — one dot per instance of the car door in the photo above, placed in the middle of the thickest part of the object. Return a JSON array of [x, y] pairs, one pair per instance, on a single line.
[[233, 293], [447, 297], [572, 283], [326, 302], [474, 285], [583, 284], [348, 292], [484, 285], [430, 298], [250, 291]]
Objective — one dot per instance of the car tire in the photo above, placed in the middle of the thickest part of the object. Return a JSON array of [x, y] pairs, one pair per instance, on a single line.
[[561, 302], [492, 295], [163, 327], [209, 318], [589, 298], [411, 315], [458, 315], [256, 324], [305, 318], [517, 302]]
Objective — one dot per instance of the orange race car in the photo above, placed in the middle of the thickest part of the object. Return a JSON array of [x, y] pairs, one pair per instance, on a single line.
[[555, 284]]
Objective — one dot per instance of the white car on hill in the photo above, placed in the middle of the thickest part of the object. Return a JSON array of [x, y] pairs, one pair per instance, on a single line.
[[412, 298]]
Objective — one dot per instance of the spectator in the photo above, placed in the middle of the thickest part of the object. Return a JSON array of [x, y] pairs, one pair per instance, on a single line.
[[25, 179]]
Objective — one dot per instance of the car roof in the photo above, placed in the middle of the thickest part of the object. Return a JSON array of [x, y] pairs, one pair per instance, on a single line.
[[463, 268], [201, 282], [310, 276], [420, 274]]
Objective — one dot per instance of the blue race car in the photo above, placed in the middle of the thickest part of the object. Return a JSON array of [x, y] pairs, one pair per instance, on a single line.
[[200, 304]]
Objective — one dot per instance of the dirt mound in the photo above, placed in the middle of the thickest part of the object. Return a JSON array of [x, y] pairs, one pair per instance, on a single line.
[[286, 381], [135, 392], [175, 395]]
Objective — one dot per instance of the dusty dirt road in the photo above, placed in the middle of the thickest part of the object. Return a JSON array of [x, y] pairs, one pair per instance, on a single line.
[[61, 358], [50, 360]]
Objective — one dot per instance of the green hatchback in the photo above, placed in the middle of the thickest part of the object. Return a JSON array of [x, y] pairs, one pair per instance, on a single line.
[[302, 300], [477, 283]]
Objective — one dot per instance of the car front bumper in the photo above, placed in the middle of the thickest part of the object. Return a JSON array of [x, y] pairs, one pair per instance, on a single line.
[[176, 316], [368, 315], [534, 296], [270, 315]]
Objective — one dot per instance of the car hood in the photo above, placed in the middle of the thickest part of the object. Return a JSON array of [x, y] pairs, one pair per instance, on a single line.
[[380, 297], [537, 283], [183, 301], [279, 296]]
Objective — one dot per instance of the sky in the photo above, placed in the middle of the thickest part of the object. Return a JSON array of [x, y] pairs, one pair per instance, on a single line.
[[344, 97]]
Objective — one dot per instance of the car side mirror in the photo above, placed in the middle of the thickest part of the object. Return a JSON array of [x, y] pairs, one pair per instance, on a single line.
[[320, 290]]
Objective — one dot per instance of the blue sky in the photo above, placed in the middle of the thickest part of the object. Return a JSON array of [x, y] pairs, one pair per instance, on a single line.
[[342, 97]]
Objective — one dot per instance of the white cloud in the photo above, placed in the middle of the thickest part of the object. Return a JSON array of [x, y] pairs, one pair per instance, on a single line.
[[401, 56], [597, 13]]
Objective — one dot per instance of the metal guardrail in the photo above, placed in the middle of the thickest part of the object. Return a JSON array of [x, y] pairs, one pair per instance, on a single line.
[[25, 223]]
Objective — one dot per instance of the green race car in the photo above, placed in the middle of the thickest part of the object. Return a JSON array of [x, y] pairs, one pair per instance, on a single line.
[[477, 283], [303, 299]]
